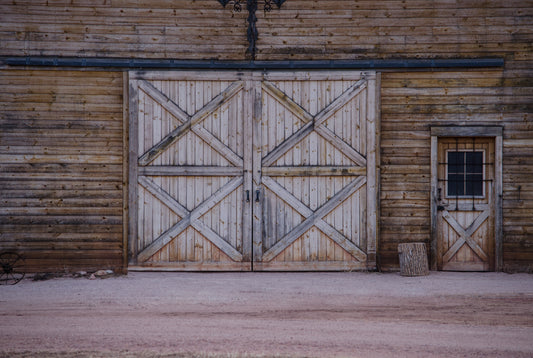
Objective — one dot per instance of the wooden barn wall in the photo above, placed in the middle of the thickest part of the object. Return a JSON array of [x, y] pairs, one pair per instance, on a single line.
[[411, 103], [48, 109], [61, 168], [301, 29], [182, 29]]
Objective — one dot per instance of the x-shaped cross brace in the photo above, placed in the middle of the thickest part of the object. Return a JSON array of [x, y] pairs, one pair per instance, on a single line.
[[465, 236], [314, 218], [316, 123], [190, 123], [189, 218]]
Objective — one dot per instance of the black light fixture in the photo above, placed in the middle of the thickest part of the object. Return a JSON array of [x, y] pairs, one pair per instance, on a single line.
[[251, 7]]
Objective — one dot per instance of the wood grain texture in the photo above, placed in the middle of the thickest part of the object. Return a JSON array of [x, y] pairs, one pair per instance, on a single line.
[[193, 200], [61, 180], [413, 259], [411, 105], [201, 29], [47, 116], [190, 177], [314, 147]]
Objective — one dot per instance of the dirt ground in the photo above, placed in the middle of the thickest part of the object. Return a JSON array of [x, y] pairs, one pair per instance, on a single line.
[[270, 315]]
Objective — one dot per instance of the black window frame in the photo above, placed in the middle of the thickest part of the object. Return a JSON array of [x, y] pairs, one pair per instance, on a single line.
[[461, 168]]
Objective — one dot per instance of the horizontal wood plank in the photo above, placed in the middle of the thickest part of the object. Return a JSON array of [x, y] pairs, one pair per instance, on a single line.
[[61, 160], [159, 170], [314, 171]]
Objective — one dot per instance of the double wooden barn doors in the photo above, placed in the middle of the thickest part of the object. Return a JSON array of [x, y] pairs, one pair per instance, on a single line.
[[262, 171]]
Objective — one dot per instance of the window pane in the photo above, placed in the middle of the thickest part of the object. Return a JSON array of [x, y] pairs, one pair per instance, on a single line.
[[465, 173], [474, 184], [455, 184], [474, 162], [455, 162]]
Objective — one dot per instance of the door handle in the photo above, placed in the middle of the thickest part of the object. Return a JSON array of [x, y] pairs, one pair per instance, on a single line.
[[257, 193], [247, 196]]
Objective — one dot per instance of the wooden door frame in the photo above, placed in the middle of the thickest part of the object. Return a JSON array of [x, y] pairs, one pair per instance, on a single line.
[[488, 131]]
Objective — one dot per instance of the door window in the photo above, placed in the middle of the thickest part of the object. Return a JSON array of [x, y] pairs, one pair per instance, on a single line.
[[465, 173]]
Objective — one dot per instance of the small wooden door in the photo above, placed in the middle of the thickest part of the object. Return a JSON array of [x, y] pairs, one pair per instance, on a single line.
[[188, 171], [465, 204], [316, 173]]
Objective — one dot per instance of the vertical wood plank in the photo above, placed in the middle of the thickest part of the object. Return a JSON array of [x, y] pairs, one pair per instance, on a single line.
[[225, 206], [257, 247], [148, 142], [166, 125], [247, 133], [131, 131], [373, 149], [215, 215], [498, 203], [154, 118], [191, 188], [435, 260], [314, 100], [208, 94], [357, 224], [278, 122]]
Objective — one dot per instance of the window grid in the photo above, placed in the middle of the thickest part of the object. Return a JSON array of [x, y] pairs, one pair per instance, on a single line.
[[465, 174]]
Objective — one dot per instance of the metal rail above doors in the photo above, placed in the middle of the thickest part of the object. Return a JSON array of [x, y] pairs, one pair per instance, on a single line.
[[163, 63]]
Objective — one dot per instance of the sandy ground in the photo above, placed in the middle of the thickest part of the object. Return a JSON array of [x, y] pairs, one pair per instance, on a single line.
[[270, 314]]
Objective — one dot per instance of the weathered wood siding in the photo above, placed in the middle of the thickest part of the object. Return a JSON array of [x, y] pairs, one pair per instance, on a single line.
[[348, 29], [61, 168], [301, 30], [183, 29], [411, 103]]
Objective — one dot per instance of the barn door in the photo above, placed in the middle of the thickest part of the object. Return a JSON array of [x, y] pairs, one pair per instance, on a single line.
[[317, 174], [187, 172], [465, 204], [239, 171]]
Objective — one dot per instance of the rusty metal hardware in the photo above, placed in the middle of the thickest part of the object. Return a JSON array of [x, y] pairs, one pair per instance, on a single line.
[[11, 268], [251, 7]]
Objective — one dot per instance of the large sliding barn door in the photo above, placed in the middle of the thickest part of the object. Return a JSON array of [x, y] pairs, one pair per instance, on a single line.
[[318, 175], [187, 168], [263, 171]]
